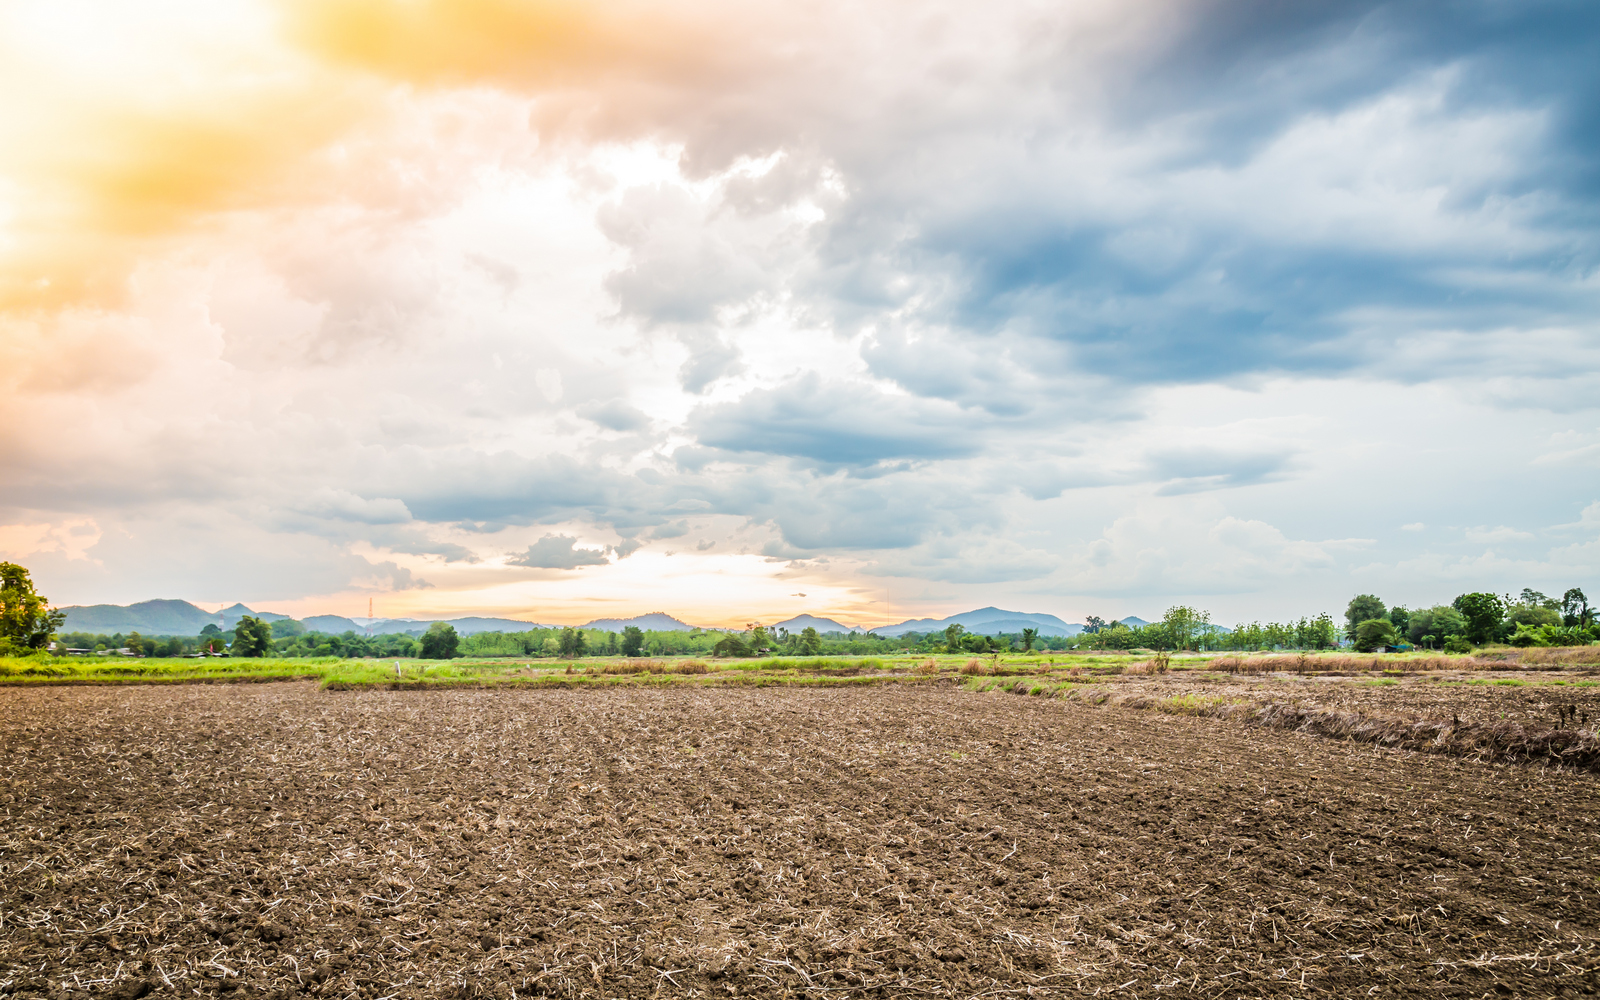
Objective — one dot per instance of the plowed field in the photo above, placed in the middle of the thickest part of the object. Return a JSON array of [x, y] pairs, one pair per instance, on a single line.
[[277, 840]]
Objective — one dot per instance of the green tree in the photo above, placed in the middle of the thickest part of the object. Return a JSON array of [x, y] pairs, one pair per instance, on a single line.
[[1028, 637], [26, 619], [252, 637], [1575, 609], [1532, 615], [810, 642], [1363, 607], [1538, 600], [632, 641], [760, 640], [1483, 612], [440, 642], [1440, 621], [1182, 626], [952, 637], [134, 644], [732, 645], [573, 643], [1401, 618], [1321, 632], [1374, 634]]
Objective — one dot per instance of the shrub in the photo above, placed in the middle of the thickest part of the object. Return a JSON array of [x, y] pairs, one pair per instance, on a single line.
[[932, 667], [1457, 644], [1374, 634], [970, 667]]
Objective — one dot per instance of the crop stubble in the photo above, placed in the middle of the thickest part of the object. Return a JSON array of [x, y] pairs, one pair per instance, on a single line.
[[282, 841]]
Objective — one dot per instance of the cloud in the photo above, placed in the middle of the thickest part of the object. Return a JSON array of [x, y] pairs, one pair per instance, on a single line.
[[834, 423], [1488, 536], [558, 552], [999, 293], [615, 415], [344, 505], [1192, 470]]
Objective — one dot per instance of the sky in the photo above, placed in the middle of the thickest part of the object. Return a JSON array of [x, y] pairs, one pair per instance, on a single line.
[[742, 309]]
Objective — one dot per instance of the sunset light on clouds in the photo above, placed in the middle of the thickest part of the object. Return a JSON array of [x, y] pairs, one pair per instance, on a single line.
[[561, 310]]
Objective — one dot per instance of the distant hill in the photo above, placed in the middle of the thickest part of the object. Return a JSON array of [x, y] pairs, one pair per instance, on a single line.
[[986, 621], [464, 626], [167, 617], [470, 626], [800, 623], [331, 624], [1133, 622], [655, 621]]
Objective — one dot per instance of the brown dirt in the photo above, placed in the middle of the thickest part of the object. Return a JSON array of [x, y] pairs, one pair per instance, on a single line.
[[282, 841]]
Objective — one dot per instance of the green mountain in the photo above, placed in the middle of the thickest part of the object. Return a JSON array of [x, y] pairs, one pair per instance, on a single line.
[[155, 618]]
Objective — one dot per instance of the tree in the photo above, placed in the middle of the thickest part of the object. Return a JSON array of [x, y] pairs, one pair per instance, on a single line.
[[1483, 613], [1182, 625], [573, 642], [1363, 607], [1538, 600], [1374, 634], [1532, 615], [632, 641], [1441, 621], [1320, 634], [760, 639], [810, 642], [1093, 624], [26, 619], [1028, 637], [1401, 618], [252, 637], [1575, 609], [440, 642], [952, 637]]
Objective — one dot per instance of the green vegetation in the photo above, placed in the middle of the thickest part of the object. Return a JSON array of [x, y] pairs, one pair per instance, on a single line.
[[26, 621], [440, 642], [1374, 634]]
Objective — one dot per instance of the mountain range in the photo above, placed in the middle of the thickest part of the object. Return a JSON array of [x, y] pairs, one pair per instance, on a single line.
[[173, 617]]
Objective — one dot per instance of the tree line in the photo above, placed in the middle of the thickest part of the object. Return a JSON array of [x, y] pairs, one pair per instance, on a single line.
[[1475, 619], [28, 625]]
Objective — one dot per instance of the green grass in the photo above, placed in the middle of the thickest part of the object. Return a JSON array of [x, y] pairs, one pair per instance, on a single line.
[[338, 673], [129, 670]]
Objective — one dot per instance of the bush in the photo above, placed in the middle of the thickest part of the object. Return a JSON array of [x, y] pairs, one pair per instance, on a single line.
[[971, 667], [1374, 634], [1457, 644], [440, 642]]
